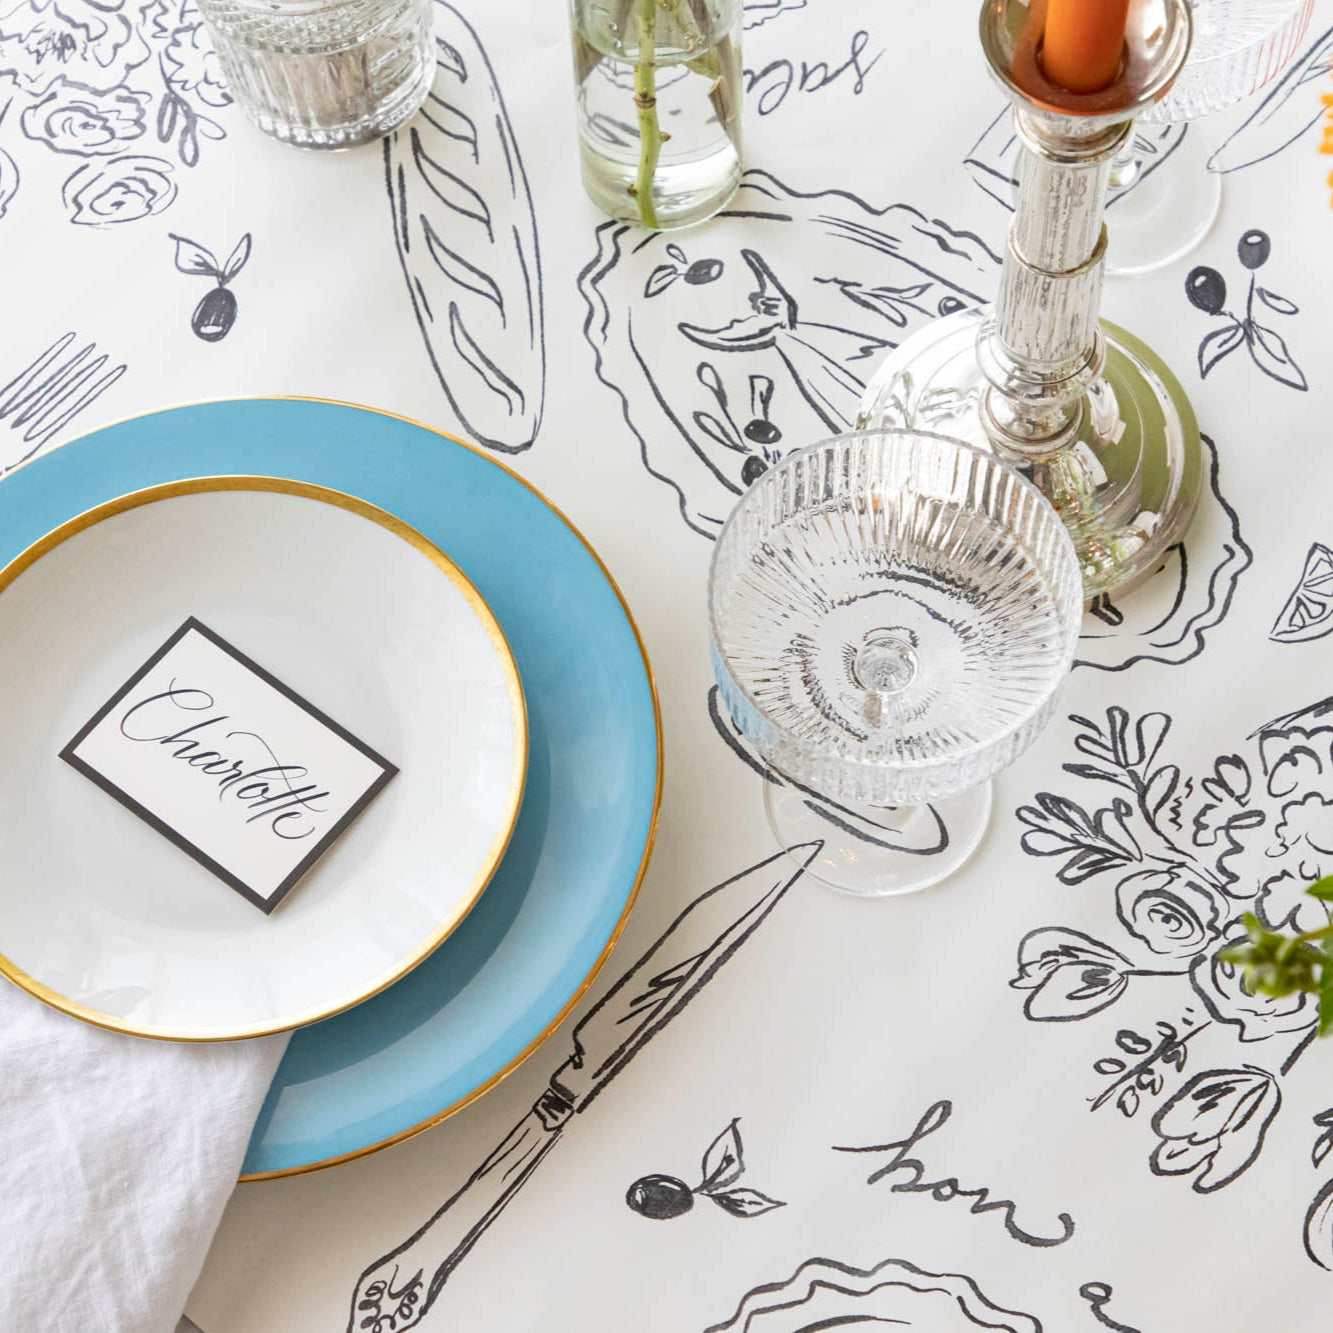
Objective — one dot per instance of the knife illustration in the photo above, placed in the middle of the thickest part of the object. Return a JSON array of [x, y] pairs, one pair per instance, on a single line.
[[397, 1291]]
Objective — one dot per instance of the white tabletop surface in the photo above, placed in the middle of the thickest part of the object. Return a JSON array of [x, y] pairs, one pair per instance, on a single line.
[[1124, 1141]]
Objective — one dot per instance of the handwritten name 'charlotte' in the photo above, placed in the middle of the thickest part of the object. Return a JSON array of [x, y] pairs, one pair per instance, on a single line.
[[267, 792]]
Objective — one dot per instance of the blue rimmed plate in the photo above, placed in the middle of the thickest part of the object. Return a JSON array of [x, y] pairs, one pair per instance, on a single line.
[[519, 962]]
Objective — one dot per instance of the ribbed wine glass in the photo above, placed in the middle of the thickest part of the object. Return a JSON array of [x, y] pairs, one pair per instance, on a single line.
[[892, 615], [1238, 47]]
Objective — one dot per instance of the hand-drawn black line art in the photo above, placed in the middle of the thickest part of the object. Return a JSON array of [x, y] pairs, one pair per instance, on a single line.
[[1168, 618], [86, 76], [1213, 1128], [947, 1189], [678, 265], [9, 172], [216, 312], [1308, 613], [71, 119], [991, 160], [825, 1294], [178, 121], [1184, 857], [1139, 1068], [1281, 118], [813, 331], [662, 1197], [45, 396], [919, 830], [395, 1292], [769, 88], [1323, 1144], [190, 77], [119, 190], [1098, 1296], [95, 44], [1207, 291], [758, 12], [1318, 1227], [717, 378], [466, 237]]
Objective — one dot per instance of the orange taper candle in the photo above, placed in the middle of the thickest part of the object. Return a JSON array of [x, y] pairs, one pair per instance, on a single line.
[[1083, 41]]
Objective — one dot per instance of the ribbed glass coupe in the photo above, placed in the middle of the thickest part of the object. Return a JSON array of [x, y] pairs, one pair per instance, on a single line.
[[892, 614]]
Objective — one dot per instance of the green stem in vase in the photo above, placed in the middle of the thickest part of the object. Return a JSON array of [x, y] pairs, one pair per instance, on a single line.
[[645, 102]]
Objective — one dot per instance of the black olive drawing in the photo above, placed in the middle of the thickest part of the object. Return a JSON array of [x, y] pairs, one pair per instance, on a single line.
[[702, 270], [1206, 289], [216, 313], [663, 1197], [695, 274], [1254, 249], [752, 469], [660, 1197]]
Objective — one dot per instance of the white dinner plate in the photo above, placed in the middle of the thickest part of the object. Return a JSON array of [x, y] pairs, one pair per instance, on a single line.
[[102, 916]]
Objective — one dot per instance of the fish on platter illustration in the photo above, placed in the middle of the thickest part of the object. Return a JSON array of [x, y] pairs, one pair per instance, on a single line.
[[763, 334]]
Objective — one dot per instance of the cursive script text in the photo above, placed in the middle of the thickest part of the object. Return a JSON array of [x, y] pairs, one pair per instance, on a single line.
[[267, 792], [911, 1179], [769, 87]]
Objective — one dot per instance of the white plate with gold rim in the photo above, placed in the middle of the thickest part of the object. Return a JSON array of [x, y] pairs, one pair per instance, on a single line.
[[362, 616]]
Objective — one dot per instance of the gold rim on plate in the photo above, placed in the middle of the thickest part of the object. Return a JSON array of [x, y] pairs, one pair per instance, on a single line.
[[618, 930], [26, 559]]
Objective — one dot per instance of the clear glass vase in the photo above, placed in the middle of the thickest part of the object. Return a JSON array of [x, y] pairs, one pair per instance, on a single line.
[[324, 73], [659, 106]]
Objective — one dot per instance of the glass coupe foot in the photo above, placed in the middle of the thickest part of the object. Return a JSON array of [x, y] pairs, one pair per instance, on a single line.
[[1166, 214], [921, 844]]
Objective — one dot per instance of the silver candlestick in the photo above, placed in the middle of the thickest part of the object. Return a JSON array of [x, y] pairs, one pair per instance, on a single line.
[[1087, 411]]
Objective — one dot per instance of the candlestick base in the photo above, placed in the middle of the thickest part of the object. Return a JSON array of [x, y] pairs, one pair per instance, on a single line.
[[1128, 484]]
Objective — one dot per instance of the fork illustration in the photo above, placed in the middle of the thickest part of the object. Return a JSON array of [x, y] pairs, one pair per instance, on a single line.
[[46, 395]]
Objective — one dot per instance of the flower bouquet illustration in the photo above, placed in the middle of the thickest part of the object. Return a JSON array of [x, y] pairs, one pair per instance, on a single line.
[[1181, 858], [106, 81]]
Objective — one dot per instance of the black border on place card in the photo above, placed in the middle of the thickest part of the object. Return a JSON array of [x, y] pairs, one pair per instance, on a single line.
[[388, 770]]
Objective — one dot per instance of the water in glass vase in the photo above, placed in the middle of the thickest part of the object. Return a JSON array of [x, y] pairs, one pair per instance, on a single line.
[[326, 73], [659, 106]]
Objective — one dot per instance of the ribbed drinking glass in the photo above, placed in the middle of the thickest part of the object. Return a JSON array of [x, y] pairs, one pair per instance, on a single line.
[[324, 73], [892, 615]]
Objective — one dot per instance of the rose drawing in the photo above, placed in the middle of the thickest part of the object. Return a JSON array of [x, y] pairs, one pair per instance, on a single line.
[[1173, 916], [1070, 974], [70, 119], [1215, 1125], [1221, 986], [89, 42], [124, 189]]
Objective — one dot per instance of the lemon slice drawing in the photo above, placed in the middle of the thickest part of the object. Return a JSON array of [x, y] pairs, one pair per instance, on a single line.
[[1308, 613]]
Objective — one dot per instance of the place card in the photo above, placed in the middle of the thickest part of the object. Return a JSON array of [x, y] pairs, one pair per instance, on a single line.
[[229, 763]]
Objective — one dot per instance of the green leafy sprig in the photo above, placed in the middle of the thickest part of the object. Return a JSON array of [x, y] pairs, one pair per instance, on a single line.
[[1278, 965]]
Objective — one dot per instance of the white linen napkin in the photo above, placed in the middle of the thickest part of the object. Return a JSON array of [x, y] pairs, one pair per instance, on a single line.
[[117, 1156]]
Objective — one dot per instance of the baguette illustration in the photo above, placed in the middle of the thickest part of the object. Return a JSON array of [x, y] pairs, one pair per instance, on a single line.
[[467, 241]]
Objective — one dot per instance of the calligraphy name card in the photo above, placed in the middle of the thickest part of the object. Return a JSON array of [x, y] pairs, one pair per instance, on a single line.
[[228, 763]]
